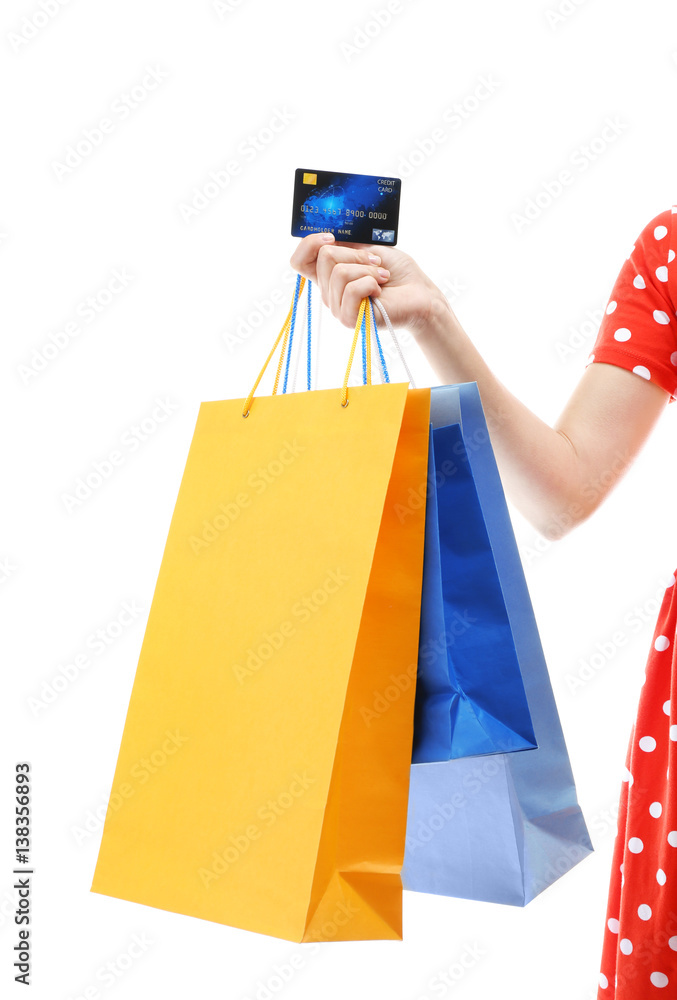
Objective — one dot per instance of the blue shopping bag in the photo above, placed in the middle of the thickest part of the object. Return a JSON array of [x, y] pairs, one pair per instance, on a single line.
[[499, 827], [470, 696]]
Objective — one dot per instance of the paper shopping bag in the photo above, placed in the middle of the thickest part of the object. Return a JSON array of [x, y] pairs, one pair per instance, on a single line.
[[502, 827], [470, 696], [288, 592]]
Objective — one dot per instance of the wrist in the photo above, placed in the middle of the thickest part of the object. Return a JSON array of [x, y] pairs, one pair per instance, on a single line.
[[430, 316]]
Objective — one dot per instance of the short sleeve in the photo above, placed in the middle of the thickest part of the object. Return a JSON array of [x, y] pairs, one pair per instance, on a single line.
[[639, 327]]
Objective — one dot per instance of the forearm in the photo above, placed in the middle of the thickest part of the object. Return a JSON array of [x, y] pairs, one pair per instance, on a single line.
[[542, 474]]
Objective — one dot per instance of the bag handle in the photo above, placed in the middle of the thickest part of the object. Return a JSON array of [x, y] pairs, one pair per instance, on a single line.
[[309, 337], [365, 324]]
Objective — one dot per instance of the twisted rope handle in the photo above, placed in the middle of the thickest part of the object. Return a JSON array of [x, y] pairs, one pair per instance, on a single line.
[[366, 322]]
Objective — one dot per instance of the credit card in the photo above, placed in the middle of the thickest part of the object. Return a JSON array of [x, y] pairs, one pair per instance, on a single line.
[[356, 208]]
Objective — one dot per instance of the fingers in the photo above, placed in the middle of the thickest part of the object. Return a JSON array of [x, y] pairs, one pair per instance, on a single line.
[[304, 257], [315, 254], [345, 273], [342, 277], [387, 254], [331, 257], [353, 293]]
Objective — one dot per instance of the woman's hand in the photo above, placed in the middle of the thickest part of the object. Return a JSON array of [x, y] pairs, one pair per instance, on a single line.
[[348, 272]]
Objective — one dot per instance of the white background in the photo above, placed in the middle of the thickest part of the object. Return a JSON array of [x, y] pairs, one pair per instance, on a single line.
[[225, 73]]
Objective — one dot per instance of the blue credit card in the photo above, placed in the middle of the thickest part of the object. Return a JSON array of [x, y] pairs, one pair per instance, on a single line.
[[356, 208]]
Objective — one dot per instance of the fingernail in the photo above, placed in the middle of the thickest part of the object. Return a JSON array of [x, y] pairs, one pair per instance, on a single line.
[[327, 237], [374, 259], [382, 273]]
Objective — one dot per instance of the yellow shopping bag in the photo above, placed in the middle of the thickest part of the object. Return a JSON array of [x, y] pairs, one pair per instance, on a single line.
[[287, 600]]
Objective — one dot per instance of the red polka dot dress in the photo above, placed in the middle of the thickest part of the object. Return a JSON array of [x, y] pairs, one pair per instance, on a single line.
[[639, 957]]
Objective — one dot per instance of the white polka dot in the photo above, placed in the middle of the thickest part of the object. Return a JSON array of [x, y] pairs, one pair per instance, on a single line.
[[603, 981], [635, 845], [647, 743], [627, 776], [672, 943], [673, 733], [626, 946], [630, 254], [641, 370], [666, 707], [590, 360], [655, 809], [662, 273], [639, 281], [671, 581], [661, 643], [659, 979], [671, 255], [659, 232], [672, 838], [661, 876], [610, 308], [622, 334], [644, 912], [661, 317], [613, 925], [673, 358]]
